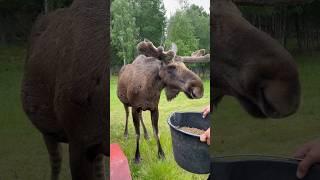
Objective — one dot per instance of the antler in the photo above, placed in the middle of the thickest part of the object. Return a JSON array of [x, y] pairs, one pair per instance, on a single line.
[[198, 56], [190, 59], [270, 2], [147, 48]]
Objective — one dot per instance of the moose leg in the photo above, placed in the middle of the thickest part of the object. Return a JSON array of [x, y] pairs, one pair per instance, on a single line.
[[99, 167], [55, 152], [136, 122], [82, 168], [154, 119], [127, 115], [145, 132]]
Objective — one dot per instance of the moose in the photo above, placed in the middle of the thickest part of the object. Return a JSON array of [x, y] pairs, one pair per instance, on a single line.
[[250, 65], [140, 85], [64, 93]]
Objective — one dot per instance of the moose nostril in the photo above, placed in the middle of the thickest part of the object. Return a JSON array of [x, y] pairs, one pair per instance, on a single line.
[[197, 92]]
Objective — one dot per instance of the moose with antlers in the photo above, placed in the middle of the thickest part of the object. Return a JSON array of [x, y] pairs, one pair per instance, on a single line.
[[140, 84], [64, 93]]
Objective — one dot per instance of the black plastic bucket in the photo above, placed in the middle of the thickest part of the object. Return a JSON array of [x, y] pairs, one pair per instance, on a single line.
[[190, 154], [255, 167]]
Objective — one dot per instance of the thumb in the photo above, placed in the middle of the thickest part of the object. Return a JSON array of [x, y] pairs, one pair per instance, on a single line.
[[203, 137], [304, 166], [205, 113]]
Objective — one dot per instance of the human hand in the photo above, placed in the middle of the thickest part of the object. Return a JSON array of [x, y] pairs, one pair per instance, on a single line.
[[205, 111], [205, 137], [310, 154]]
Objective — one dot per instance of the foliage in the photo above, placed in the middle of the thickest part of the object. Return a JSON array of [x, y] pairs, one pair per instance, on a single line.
[[181, 31], [17, 17], [134, 21], [123, 29], [189, 29], [200, 21], [150, 19]]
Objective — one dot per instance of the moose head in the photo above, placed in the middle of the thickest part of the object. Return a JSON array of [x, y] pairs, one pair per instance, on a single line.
[[173, 71], [250, 65]]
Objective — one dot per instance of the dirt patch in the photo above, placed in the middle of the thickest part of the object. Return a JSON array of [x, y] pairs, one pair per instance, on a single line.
[[192, 130]]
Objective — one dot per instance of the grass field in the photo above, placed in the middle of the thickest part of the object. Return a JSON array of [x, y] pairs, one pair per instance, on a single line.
[[23, 155], [151, 167], [235, 132]]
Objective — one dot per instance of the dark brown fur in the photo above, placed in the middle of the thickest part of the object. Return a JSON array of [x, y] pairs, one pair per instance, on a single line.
[[140, 85], [251, 66], [64, 91]]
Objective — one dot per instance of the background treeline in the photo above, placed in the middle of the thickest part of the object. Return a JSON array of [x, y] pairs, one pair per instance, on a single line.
[[17, 17], [296, 27], [135, 20], [131, 22]]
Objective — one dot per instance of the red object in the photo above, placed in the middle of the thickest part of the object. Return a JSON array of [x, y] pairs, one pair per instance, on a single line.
[[119, 167]]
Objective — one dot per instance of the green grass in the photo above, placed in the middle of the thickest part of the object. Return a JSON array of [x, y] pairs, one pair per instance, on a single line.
[[23, 154], [22, 151], [151, 167], [235, 132]]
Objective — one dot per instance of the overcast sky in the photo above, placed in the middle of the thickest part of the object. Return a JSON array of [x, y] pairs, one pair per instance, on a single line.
[[171, 6]]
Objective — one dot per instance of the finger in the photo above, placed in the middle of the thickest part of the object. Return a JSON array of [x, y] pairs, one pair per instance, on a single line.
[[203, 137], [305, 165], [301, 152], [205, 113], [204, 109], [208, 137]]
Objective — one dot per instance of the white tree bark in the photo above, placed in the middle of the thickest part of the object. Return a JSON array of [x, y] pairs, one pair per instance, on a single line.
[[45, 6]]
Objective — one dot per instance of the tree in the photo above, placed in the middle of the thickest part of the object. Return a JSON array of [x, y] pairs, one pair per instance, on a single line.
[[189, 28], [150, 19], [181, 31], [123, 29], [200, 21]]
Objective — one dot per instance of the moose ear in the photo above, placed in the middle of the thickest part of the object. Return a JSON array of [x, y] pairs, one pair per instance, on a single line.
[[198, 53], [270, 2], [167, 56]]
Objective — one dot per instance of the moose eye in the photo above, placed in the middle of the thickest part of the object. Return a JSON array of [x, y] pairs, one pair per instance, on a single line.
[[171, 68]]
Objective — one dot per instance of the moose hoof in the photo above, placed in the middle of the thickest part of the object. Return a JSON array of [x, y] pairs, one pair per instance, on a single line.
[[137, 160], [125, 135], [161, 155], [146, 136]]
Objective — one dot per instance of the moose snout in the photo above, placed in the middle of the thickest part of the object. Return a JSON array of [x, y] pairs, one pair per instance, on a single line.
[[279, 100], [197, 93], [194, 89]]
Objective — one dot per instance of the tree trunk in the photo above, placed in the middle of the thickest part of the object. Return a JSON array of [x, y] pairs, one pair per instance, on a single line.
[[45, 6], [298, 32]]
